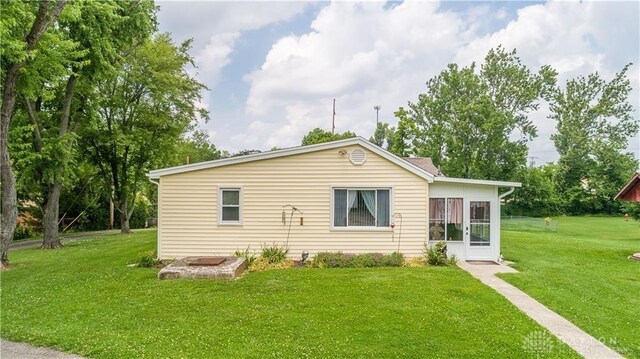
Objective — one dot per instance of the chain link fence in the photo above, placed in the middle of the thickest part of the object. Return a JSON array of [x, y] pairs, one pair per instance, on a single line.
[[528, 224]]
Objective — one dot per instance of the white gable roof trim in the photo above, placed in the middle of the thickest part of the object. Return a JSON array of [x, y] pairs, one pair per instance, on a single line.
[[155, 174], [429, 177]]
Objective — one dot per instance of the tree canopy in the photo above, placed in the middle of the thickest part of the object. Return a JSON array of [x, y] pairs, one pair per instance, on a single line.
[[474, 122], [318, 135], [594, 122]]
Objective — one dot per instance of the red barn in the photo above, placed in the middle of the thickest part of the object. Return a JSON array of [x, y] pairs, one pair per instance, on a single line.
[[631, 192]]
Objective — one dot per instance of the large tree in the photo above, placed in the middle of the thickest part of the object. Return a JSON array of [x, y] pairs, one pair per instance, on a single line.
[[594, 121], [144, 112], [318, 135], [19, 40], [475, 123], [194, 146], [92, 38]]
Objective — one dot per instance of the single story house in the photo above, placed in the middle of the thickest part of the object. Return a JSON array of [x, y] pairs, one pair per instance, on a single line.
[[348, 195], [631, 192]]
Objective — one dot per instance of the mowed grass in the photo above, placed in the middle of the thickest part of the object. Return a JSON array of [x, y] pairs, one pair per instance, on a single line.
[[84, 299], [582, 272]]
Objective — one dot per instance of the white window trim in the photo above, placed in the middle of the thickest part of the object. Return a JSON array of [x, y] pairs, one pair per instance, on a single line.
[[240, 205], [360, 228]]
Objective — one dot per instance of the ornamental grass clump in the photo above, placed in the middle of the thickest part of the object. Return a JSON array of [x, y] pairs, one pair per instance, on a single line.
[[271, 257]]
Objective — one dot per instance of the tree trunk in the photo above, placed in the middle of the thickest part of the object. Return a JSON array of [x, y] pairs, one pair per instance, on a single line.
[[124, 218], [51, 213], [9, 196], [9, 216]]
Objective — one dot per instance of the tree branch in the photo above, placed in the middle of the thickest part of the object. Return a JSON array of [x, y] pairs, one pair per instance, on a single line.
[[37, 126]]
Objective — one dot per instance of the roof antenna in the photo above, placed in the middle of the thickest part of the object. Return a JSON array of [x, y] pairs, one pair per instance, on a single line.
[[333, 119]]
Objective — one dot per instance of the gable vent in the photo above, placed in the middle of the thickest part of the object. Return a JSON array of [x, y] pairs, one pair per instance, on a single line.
[[358, 157]]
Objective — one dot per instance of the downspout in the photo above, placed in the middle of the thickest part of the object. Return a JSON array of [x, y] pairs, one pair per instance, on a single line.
[[510, 191], [158, 183]]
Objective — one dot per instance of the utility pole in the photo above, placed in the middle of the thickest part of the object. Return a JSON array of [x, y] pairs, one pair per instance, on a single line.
[[333, 119], [377, 108]]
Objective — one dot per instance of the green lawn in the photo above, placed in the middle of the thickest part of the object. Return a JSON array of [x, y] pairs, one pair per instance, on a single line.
[[84, 299], [582, 272]]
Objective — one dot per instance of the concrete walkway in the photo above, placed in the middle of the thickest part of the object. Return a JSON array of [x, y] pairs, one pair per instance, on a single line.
[[13, 350], [583, 343]]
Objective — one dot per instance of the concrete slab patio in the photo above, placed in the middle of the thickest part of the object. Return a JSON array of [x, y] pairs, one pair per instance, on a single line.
[[583, 343]]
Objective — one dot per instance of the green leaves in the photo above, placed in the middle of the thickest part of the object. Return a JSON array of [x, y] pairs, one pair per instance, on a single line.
[[594, 122], [319, 135], [474, 122]]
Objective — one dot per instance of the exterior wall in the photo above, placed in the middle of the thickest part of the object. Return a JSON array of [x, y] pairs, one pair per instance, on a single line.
[[188, 218], [633, 194]]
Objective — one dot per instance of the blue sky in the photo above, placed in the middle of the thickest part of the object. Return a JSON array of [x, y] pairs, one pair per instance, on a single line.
[[273, 68]]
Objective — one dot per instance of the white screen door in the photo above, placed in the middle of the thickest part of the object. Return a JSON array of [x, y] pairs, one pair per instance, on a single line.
[[478, 236]]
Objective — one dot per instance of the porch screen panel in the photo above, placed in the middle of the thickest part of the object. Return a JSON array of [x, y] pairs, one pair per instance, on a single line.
[[454, 219], [480, 223], [437, 213]]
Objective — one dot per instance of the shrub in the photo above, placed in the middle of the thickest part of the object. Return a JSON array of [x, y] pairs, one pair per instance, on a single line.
[[262, 263], [148, 260], [395, 259], [246, 254], [632, 209], [24, 232], [274, 254], [332, 260], [365, 260], [437, 254]]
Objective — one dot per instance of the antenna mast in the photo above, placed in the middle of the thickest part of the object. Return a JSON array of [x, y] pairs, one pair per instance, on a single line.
[[333, 119]]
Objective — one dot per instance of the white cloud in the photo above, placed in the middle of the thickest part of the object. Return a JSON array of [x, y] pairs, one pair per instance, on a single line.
[[362, 54], [365, 54], [215, 56], [215, 27]]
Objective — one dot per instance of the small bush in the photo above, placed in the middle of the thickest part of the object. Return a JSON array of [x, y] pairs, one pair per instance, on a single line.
[[24, 232], [148, 260], [246, 254], [332, 260], [395, 259], [262, 263], [437, 254], [274, 254], [365, 260]]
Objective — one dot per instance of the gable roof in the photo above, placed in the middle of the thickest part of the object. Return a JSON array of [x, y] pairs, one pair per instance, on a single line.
[[425, 163], [422, 169], [155, 174], [635, 181]]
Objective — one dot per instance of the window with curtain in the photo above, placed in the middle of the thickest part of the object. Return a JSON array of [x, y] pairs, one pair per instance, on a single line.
[[445, 219], [361, 207]]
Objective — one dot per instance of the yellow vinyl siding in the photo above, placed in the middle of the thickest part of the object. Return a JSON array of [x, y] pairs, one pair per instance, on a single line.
[[189, 219]]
